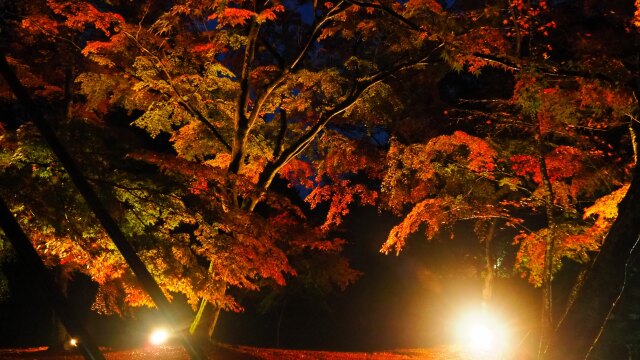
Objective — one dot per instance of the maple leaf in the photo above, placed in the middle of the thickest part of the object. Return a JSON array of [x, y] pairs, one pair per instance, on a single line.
[[41, 23], [233, 16], [434, 213], [342, 194], [416, 5], [298, 172], [270, 14]]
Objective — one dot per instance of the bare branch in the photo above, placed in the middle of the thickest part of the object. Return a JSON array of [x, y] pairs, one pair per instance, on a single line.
[[404, 20], [257, 108], [245, 124], [272, 168], [277, 149]]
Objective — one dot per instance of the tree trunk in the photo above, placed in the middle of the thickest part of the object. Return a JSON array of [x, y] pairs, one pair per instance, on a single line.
[[575, 291], [279, 325], [206, 318], [194, 328], [205, 321], [487, 288], [214, 321], [546, 314], [581, 327]]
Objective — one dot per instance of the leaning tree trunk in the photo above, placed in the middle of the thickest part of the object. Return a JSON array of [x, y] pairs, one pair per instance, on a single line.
[[579, 331], [59, 334]]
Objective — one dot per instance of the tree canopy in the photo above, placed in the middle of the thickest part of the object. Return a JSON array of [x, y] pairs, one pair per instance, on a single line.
[[192, 118]]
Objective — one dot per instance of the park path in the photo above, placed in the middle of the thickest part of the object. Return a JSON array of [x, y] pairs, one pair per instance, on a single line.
[[227, 352]]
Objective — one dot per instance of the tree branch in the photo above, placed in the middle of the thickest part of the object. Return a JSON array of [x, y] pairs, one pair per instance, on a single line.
[[162, 70], [404, 20], [277, 148], [272, 168], [294, 65], [241, 122], [546, 70], [246, 124], [272, 50]]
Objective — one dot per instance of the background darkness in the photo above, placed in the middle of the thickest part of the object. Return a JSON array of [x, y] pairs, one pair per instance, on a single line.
[[404, 301]]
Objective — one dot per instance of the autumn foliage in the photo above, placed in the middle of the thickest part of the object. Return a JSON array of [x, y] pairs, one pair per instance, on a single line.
[[202, 123]]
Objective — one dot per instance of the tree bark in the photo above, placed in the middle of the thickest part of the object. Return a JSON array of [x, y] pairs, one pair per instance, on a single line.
[[581, 327]]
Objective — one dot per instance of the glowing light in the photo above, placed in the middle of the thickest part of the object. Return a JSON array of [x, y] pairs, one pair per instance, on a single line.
[[159, 336], [73, 342], [482, 332], [480, 336]]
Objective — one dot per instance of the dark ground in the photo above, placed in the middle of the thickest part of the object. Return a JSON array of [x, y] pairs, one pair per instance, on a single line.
[[225, 352]]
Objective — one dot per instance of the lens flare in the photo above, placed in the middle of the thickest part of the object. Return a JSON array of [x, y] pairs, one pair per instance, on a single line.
[[159, 337], [482, 332]]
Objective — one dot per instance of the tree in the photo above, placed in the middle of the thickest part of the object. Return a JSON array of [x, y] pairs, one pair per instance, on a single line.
[[548, 147], [222, 170], [231, 102]]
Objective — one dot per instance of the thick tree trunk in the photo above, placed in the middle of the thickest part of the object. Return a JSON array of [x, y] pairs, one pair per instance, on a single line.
[[143, 275], [205, 321], [581, 327]]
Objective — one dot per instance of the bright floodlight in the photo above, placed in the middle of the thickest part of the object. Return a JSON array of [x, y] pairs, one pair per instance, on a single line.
[[482, 332], [73, 342], [158, 336], [480, 336]]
